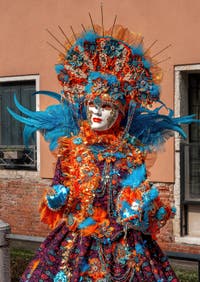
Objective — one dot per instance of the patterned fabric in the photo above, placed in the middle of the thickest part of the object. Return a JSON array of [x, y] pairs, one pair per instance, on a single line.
[[90, 259], [103, 247]]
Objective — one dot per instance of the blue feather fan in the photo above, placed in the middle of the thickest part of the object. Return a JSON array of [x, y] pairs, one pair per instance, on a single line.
[[59, 120], [55, 122], [153, 129]]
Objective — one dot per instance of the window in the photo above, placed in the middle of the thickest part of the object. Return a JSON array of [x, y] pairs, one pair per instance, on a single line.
[[193, 192], [187, 184], [190, 167], [13, 154]]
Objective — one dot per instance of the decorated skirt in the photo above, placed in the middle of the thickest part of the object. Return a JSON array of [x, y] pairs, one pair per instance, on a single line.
[[65, 256]]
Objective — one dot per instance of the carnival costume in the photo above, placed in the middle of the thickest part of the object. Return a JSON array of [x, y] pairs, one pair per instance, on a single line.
[[104, 211]]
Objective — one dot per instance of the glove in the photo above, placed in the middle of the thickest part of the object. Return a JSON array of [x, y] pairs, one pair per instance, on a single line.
[[57, 200]]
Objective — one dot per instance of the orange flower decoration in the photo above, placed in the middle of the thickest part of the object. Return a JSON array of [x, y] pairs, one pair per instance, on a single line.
[[95, 270], [130, 195]]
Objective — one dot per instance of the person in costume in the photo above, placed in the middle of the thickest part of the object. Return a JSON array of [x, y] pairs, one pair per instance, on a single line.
[[104, 211]]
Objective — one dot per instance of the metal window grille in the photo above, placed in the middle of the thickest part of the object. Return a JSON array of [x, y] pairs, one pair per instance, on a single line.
[[13, 154]]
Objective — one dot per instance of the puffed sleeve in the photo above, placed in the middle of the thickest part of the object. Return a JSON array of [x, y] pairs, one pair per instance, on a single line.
[[54, 200], [139, 204]]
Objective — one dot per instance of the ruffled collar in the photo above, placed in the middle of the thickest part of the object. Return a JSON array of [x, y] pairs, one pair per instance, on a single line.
[[111, 137]]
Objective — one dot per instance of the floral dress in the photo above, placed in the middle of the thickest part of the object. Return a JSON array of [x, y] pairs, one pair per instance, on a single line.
[[106, 228]]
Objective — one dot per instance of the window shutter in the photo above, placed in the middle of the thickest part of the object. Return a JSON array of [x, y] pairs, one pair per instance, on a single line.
[[11, 132]]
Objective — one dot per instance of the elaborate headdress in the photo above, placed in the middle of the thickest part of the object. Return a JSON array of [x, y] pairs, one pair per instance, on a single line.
[[109, 62], [110, 65]]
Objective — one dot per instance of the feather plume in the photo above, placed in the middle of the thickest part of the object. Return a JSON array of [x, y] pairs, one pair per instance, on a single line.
[[56, 121], [136, 177], [86, 223], [153, 128]]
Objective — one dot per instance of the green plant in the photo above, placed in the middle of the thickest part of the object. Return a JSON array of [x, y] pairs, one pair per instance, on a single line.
[[19, 261], [186, 275]]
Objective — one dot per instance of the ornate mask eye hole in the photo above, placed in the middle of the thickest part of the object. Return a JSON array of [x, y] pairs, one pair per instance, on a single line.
[[90, 104], [106, 106]]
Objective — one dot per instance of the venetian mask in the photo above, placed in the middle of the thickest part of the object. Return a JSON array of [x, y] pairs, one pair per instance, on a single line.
[[101, 116]]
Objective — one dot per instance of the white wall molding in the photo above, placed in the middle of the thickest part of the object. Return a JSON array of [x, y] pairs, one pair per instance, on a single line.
[[181, 98], [35, 77]]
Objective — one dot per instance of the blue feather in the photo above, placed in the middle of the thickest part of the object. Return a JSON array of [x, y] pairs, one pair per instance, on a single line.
[[111, 79], [87, 222], [153, 128], [20, 118], [139, 249], [59, 68], [155, 90], [90, 36], [55, 122], [84, 266], [136, 177], [137, 50], [21, 108], [147, 64], [160, 213], [153, 193], [51, 94], [173, 210], [28, 133]]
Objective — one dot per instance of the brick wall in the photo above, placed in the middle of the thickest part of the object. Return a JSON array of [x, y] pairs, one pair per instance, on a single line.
[[20, 197], [19, 202], [166, 237], [178, 247], [166, 194]]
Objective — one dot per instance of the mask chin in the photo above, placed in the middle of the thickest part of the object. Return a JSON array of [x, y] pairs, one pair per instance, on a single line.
[[101, 128]]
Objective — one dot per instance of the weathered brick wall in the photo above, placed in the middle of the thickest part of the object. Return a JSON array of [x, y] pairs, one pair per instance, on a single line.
[[166, 194], [166, 237], [19, 202], [179, 247]]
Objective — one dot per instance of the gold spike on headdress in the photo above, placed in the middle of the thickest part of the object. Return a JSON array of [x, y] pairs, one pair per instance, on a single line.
[[69, 42], [61, 44]]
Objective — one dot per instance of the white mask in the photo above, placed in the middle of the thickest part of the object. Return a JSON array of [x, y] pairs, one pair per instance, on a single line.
[[101, 117]]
